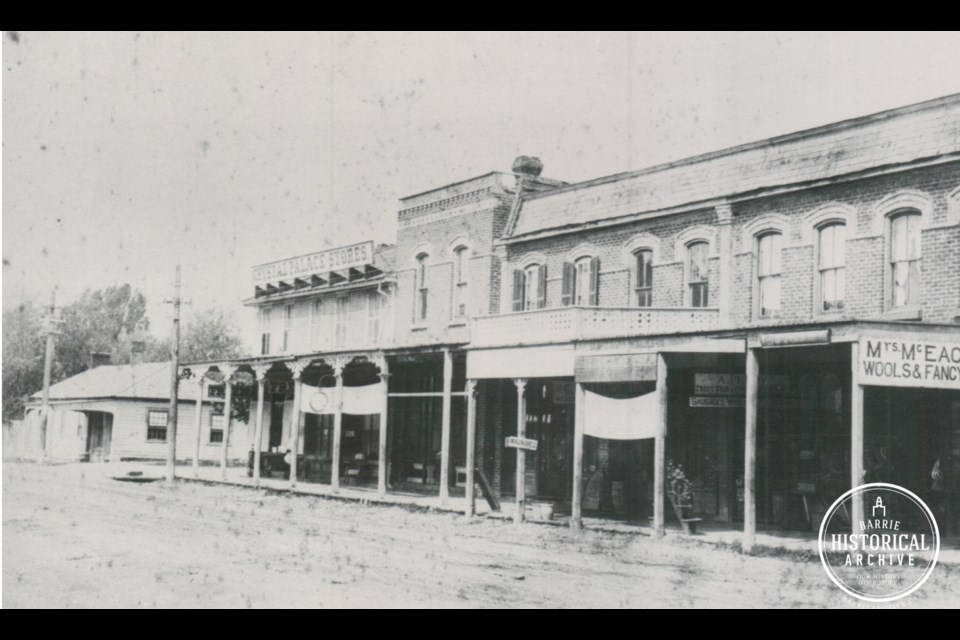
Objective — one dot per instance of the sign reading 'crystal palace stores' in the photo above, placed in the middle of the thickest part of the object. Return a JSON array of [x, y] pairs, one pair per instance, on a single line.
[[313, 263], [909, 363]]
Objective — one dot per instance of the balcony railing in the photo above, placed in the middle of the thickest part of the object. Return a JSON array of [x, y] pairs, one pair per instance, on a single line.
[[565, 324]]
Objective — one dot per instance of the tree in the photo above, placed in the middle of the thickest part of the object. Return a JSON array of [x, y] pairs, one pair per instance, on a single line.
[[23, 353], [211, 334], [100, 320]]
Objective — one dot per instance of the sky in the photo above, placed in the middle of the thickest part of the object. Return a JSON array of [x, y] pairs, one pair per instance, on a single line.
[[125, 154]]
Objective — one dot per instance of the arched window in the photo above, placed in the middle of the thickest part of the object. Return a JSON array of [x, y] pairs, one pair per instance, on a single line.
[[643, 277], [420, 314], [904, 258], [698, 274], [831, 263], [460, 282], [530, 287], [769, 268]]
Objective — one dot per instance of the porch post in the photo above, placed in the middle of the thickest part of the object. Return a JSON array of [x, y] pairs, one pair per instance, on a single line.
[[198, 423], [659, 448], [445, 428], [296, 369], [856, 436], [521, 454], [259, 370], [471, 390], [750, 454], [576, 511], [382, 451], [339, 364], [227, 372]]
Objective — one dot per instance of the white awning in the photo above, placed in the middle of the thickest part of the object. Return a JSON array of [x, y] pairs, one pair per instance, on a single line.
[[521, 362], [358, 401], [620, 419]]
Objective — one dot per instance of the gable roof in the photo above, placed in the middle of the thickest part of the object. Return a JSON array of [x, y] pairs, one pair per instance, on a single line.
[[146, 381], [896, 137]]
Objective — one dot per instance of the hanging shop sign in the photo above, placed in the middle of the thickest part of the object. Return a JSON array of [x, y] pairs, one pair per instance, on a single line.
[[707, 402], [338, 259], [720, 384], [527, 444], [909, 363]]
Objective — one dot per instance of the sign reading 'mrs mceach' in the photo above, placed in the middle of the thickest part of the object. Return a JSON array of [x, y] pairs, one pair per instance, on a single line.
[[302, 266], [909, 363]]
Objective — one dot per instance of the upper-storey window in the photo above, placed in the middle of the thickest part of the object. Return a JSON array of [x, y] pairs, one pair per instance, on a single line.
[[698, 274], [343, 317], [460, 282], [265, 332], [581, 282], [530, 288], [643, 277], [832, 262], [287, 322], [905, 259], [420, 314], [769, 268], [374, 307], [316, 325]]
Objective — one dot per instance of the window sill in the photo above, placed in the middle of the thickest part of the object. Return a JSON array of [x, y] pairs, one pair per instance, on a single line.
[[903, 313], [459, 322], [418, 327]]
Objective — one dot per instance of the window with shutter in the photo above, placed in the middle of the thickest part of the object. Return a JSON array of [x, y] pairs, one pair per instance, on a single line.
[[519, 288], [542, 288], [569, 277]]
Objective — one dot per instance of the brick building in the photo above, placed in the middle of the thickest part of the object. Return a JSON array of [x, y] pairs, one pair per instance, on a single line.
[[778, 320]]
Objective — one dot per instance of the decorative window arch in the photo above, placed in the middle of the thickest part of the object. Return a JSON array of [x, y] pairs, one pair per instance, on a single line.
[[639, 255], [900, 218], [530, 283], [584, 250], [901, 201], [953, 207], [832, 212], [689, 236], [761, 225]]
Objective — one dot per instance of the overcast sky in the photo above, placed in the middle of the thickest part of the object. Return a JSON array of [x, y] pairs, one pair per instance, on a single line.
[[125, 153]]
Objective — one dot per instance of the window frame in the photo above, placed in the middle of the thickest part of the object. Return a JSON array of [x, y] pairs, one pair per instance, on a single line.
[[647, 282], [265, 330], [702, 285], [839, 270], [341, 320], [422, 291], [914, 221], [155, 427], [458, 305], [774, 276], [211, 430]]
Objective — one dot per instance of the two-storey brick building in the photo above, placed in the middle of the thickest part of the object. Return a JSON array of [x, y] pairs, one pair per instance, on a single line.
[[778, 321]]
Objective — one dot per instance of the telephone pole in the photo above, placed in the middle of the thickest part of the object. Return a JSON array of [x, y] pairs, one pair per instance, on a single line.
[[174, 384], [52, 330]]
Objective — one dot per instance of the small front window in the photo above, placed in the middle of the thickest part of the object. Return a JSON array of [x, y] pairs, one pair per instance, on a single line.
[[217, 420], [643, 280], [421, 310], [460, 282], [905, 259], [157, 425], [832, 259]]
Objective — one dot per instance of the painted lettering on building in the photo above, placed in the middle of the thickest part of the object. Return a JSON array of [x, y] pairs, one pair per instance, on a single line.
[[314, 263], [909, 363]]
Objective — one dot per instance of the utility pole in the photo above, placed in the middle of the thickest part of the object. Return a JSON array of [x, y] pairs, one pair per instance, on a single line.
[[52, 329], [174, 384]]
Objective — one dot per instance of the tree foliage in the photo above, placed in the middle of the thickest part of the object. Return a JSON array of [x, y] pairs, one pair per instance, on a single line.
[[23, 353]]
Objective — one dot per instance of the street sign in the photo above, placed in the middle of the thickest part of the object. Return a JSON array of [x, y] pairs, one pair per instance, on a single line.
[[521, 443]]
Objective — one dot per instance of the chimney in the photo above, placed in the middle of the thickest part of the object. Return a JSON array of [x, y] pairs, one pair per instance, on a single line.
[[137, 347], [98, 358], [528, 166]]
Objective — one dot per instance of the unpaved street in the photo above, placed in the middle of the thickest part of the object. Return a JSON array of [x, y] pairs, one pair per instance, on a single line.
[[72, 537]]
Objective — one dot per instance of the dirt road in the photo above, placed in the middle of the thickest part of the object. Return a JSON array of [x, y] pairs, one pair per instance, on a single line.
[[72, 537]]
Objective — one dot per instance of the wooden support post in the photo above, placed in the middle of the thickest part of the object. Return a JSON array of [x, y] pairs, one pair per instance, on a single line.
[[856, 437], [296, 369], [382, 451], [227, 372], [579, 416], [471, 390], [338, 367], [445, 427], [750, 454], [198, 422], [521, 479], [261, 372], [660, 448]]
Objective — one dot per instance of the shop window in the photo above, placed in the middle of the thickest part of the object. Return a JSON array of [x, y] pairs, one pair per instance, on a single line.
[[217, 420], [420, 314], [459, 309], [157, 425], [530, 288], [905, 259], [831, 257], [769, 268], [581, 282], [643, 278], [698, 274]]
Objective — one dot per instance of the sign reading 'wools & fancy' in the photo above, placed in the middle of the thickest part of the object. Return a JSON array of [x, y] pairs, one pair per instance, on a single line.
[[314, 263], [909, 363]]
